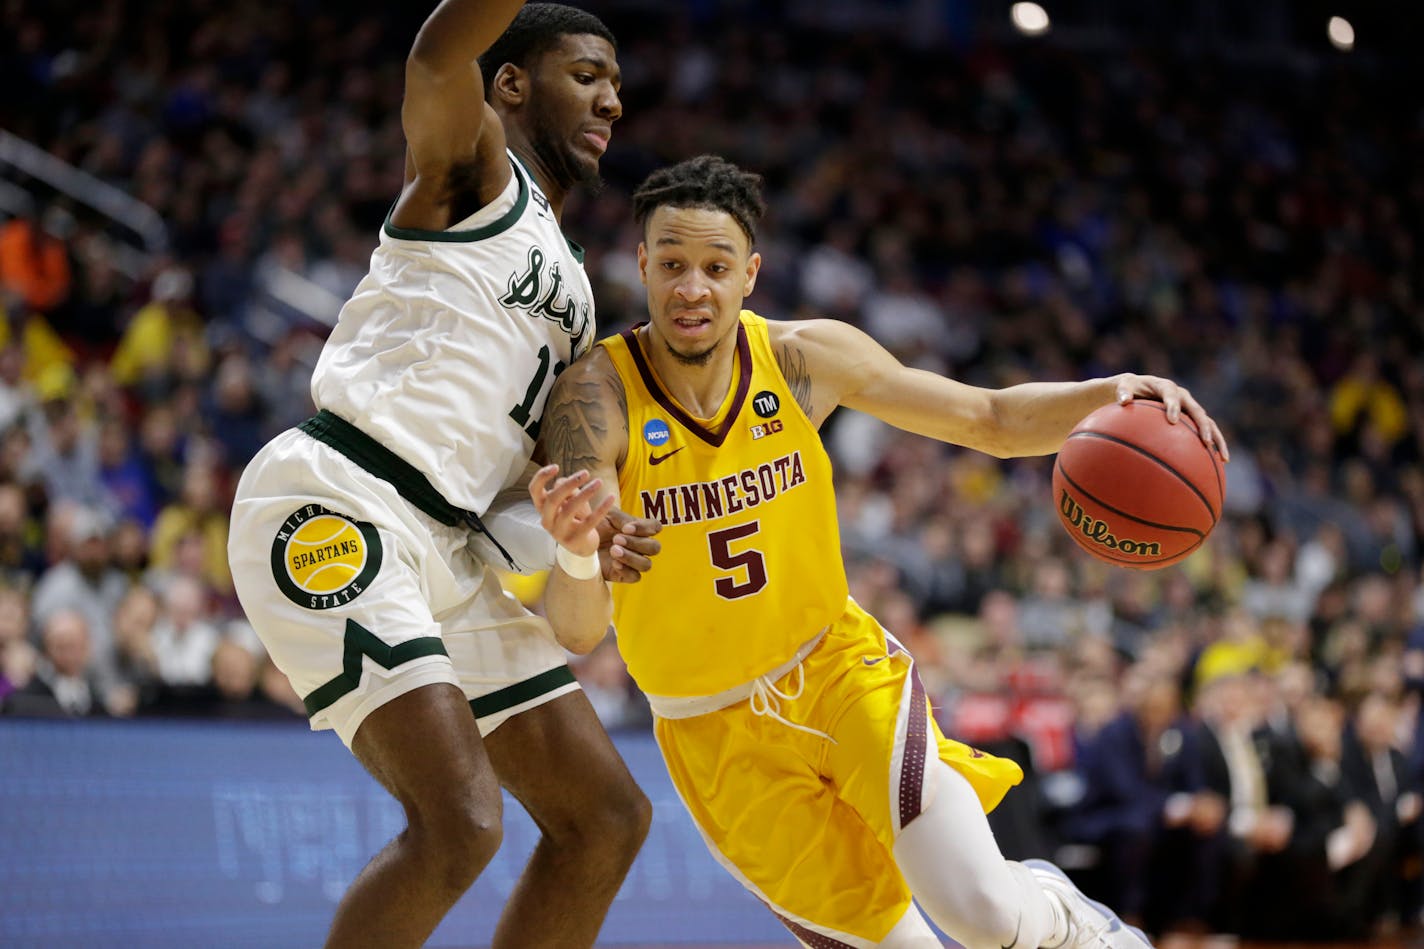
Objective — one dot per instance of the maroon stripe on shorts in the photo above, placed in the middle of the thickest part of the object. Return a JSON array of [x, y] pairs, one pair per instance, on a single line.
[[912, 769], [813, 939]]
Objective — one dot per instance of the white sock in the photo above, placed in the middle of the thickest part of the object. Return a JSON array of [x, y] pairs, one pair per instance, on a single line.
[[953, 865]]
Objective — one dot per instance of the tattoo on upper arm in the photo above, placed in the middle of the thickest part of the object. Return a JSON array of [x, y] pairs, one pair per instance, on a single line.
[[581, 415], [792, 363]]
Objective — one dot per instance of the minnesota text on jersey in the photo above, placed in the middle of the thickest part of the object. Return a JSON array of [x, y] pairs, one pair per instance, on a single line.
[[710, 500]]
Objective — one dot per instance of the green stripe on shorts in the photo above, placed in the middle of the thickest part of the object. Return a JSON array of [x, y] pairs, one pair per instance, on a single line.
[[360, 641], [521, 692]]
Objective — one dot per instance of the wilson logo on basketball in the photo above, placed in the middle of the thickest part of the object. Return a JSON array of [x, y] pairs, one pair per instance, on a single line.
[[322, 559], [1100, 533]]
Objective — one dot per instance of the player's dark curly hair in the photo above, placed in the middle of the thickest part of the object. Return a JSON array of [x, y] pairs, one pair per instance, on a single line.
[[707, 182], [536, 29]]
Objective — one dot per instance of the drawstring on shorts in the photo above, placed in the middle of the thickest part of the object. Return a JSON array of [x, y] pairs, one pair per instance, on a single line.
[[765, 701]]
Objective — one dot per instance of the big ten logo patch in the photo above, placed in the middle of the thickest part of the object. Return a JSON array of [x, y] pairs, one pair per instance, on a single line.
[[322, 559], [766, 428]]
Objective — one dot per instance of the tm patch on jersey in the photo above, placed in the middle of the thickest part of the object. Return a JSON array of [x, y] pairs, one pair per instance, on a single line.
[[322, 559]]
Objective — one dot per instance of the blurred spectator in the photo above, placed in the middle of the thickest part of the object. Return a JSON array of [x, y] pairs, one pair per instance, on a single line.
[[136, 660], [1389, 884], [65, 451], [1255, 828], [160, 334], [834, 279], [84, 581], [34, 259], [237, 411], [125, 483], [17, 656], [1274, 592], [21, 556], [1363, 399], [64, 683], [1050, 616], [183, 641], [1145, 808], [1316, 889], [197, 513]]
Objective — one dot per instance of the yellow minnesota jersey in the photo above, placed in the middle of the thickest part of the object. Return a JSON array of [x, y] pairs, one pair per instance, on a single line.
[[751, 566]]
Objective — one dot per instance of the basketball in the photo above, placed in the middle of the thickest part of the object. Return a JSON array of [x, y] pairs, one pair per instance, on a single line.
[[1135, 490]]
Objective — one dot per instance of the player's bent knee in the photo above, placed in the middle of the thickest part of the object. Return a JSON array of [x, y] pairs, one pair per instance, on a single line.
[[459, 844], [617, 825]]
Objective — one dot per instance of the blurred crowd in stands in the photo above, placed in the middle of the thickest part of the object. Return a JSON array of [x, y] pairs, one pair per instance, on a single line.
[[1230, 745]]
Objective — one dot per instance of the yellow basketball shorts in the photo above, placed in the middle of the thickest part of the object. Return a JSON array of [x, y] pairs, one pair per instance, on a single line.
[[806, 823]]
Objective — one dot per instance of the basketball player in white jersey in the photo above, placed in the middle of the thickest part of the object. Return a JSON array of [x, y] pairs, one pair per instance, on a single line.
[[349, 533]]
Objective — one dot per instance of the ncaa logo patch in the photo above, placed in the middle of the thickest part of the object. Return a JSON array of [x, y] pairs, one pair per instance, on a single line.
[[322, 559], [656, 432]]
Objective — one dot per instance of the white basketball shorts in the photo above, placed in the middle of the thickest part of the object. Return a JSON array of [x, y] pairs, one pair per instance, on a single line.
[[359, 596]]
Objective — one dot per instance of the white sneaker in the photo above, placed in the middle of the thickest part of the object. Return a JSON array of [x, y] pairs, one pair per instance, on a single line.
[[1091, 925]]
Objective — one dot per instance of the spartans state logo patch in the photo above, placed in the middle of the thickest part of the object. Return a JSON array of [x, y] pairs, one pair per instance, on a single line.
[[322, 559]]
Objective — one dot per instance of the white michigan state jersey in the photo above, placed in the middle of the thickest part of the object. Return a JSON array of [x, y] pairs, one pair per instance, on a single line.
[[450, 344]]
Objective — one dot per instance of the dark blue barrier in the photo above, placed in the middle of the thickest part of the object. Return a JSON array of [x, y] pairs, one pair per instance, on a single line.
[[157, 834]]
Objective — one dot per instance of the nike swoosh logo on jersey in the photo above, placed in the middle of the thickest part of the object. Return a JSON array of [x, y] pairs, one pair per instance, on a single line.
[[659, 459], [870, 662]]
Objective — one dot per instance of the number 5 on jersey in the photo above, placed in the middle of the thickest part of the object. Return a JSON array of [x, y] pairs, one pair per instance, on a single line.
[[751, 560]]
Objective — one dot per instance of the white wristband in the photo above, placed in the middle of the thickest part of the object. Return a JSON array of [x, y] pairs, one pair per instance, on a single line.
[[578, 566]]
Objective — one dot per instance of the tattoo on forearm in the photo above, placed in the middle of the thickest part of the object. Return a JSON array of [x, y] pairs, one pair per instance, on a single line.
[[792, 363]]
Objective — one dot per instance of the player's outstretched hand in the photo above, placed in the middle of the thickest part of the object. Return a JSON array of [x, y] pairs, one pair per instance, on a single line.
[[567, 507], [1175, 399], [626, 546]]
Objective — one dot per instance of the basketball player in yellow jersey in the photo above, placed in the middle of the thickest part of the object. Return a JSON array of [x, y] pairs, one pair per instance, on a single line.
[[794, 727]]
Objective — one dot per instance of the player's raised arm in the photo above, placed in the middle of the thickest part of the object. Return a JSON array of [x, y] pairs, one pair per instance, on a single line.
[[829, 363], [446, 120], [585, 434]]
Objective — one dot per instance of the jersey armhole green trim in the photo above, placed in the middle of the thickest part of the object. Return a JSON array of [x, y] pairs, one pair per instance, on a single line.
[[498, 226], [574, 248]]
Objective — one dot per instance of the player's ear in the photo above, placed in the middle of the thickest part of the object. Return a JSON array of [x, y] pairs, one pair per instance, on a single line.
[[753, 268], [643, 262], [511, 85]]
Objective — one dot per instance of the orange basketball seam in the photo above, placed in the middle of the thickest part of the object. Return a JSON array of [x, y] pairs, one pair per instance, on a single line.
[[1215, 468], [1163, 462]]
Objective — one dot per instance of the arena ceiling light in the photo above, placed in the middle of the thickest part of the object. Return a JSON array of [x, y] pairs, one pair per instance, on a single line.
[[1341, 33], [1029, 18]]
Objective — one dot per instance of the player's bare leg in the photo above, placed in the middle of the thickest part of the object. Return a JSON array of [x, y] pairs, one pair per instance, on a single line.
[[425, 749], [559, 763]]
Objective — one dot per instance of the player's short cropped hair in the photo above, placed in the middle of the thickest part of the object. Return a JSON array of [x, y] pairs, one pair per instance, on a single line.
[[706, 182], [536, 29]]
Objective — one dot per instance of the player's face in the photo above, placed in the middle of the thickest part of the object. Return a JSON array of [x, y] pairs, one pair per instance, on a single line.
[[573, 105], [698, 267]]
